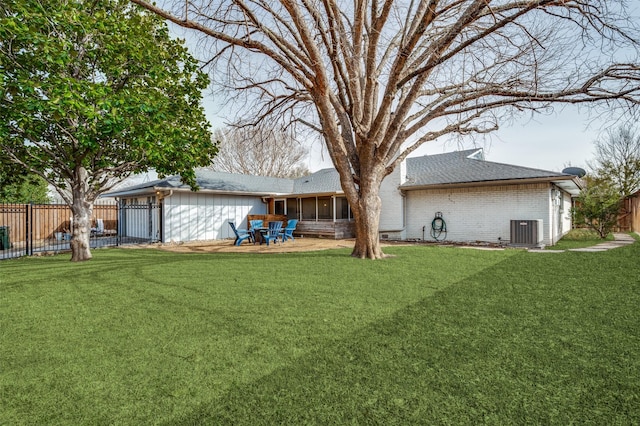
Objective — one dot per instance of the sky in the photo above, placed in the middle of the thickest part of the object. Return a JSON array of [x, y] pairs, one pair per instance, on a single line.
[[548, 142]]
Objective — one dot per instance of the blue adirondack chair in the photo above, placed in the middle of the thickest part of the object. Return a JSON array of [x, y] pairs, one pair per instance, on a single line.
[[253, 225], [287, 232], [241, 234], [272, 233]]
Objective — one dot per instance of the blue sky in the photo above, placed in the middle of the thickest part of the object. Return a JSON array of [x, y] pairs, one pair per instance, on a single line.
[[548, 142]]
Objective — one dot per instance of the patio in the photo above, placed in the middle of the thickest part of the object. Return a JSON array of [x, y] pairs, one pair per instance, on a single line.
[[226, 246]]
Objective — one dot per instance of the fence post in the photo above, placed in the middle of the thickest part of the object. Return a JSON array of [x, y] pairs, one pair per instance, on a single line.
[[120, 223], [28, 251]]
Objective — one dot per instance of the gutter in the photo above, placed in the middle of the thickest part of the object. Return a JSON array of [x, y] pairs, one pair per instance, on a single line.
[[164, 195], [488, 183]]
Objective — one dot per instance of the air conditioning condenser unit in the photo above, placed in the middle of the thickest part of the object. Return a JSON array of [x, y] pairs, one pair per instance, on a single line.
[[526, 233]]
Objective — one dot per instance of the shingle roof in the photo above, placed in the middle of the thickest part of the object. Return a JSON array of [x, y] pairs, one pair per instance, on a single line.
[[322, 181], [209, 180], [466, 167], [458, 167]]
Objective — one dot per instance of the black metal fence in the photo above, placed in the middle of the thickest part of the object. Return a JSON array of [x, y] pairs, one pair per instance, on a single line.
[[32, 229]]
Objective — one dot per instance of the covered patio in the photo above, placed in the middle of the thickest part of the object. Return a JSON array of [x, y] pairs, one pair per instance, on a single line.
[[320, 215]]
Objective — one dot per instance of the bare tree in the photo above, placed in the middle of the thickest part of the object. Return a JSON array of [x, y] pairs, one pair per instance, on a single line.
[[259, 151], [379, 78], [617, 160]]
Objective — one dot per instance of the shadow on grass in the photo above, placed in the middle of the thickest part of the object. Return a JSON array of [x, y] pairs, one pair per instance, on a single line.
[[529, 341]]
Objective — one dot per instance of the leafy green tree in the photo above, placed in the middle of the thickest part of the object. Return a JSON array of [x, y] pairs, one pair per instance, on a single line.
[[92, 92], [18, 186], [598, 206]]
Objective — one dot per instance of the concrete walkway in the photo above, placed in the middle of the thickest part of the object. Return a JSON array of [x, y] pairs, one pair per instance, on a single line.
[[619, 240]]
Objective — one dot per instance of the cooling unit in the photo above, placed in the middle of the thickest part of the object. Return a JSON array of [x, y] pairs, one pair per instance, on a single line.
[[526, 233]]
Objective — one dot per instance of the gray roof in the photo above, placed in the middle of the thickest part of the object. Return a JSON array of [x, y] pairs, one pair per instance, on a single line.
[[322, 181], [209, 180], [454, 168], [468, 166]]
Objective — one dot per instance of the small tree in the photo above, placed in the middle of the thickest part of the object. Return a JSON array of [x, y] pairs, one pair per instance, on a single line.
[[598, 206], [259, 151], [92, 92], [618, 159]]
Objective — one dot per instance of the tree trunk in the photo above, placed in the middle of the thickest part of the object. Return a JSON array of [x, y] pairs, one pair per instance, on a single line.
[[82, 209], [367, 221], [81, 230]]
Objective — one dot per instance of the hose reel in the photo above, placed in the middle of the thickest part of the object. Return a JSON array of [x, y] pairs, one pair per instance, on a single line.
[[438, 227]]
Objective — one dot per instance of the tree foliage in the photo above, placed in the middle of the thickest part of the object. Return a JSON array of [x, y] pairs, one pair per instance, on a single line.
[[618, 159], [259, 151], [378, 79], [598, 206], [93, 91], [19, 186]]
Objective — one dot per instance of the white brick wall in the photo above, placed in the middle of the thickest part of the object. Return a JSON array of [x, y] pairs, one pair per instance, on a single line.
[[392, 215], [480, 213]]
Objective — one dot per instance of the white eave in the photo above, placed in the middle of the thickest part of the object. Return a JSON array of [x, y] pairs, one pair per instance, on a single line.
[[570, 184]]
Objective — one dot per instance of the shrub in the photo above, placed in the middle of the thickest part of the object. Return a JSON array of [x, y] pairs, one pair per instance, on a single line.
[[597, 207]]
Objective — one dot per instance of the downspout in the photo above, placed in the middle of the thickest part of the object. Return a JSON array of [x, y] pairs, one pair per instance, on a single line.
[[403, 194], [265, 200]]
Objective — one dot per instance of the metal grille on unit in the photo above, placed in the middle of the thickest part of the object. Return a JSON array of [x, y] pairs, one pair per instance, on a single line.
[[526, 233]]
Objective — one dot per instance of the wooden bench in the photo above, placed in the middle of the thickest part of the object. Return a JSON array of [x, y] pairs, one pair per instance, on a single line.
[[328, 229]]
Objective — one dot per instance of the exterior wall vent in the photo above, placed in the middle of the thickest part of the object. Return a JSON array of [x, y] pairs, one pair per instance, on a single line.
[[526, 233]]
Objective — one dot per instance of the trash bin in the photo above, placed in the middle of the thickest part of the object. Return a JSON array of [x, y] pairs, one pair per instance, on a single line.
[[5, 242]]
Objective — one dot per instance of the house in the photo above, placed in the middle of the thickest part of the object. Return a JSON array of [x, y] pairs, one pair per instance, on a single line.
[[477, 199], [181, 214]]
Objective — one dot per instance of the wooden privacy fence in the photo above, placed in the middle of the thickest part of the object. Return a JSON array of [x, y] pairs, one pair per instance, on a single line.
[[634, 211], [268, 218], [629, 218], [47, 221]]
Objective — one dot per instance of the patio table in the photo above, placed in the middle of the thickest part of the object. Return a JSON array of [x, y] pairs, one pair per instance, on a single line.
[[258, 234]]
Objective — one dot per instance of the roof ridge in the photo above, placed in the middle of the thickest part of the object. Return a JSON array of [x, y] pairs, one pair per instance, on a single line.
[[526, 167]]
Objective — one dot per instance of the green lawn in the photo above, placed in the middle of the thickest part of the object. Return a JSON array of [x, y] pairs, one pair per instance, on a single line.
[[579, 238], [434, 335]]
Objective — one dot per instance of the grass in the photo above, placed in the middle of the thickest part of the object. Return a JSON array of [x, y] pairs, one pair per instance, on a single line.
[[579, 238], [434, 335]]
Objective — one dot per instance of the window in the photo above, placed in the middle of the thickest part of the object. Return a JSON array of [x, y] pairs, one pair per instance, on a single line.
[[279, 207]]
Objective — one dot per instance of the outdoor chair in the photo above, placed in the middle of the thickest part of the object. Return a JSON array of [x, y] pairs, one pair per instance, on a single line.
[[272, 233], [99, 227], [98, 230], [241, 234], [287, 232], [253, 225]]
